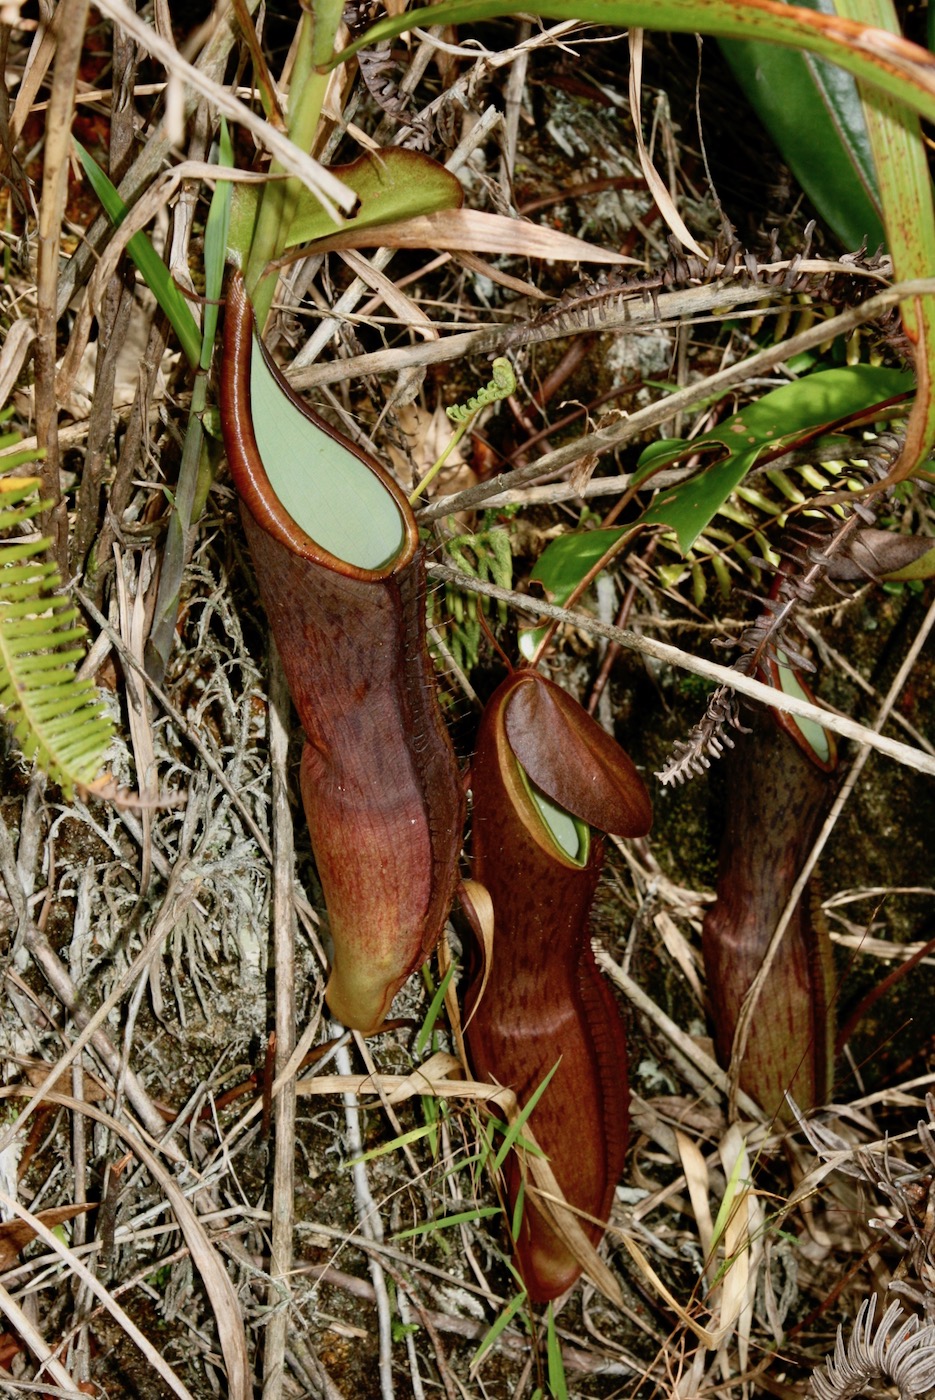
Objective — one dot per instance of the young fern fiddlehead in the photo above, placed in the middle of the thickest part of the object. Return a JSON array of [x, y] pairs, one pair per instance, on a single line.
[[500, 387]]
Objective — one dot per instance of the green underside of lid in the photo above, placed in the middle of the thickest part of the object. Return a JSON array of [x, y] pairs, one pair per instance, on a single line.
[[327, 490], [814, 734], [571, 836]]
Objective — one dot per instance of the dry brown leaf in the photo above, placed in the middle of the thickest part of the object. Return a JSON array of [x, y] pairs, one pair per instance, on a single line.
[[15, 1235], [468, 230], [478, 906]]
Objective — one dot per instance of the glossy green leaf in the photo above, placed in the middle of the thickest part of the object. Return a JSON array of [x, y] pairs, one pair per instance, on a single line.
[[901, 160], [328, 491], [775, 422], [151, 267], [560, 568], [813, 112], [392, 185], [902, 69]]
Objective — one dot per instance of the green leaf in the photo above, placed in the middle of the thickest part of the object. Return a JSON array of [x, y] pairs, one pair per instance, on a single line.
[[447, 1222], [392, 185], [58, 719], [327, 490], [217, 229], [906, 71], [790, 412], [813, 112], [558, 1387], [560, 568], [499, 1326], [515, 1129], [775, 422], [151, 267]]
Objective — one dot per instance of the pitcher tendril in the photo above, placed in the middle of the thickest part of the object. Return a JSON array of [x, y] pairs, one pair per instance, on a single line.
[[501, 386]]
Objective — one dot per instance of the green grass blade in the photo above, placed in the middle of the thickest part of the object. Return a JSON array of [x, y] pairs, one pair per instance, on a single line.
[[404, 1139], [431, 1016], [558, 1386], [514, 1130], [447, 1222], [217, 229], [151, 267], [499, 1326]]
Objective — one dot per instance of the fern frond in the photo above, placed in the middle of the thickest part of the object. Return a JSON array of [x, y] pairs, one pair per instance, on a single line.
[[58, 719]]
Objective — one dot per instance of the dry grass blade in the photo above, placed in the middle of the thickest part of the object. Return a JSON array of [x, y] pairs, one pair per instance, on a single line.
[[160, 1366], [147, 944], [473, 231], [33, 1339], [329, 190], [230, 1323], [658, 190]]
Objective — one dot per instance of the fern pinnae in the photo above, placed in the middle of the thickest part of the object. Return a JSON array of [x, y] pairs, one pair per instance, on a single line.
[[58, 719]]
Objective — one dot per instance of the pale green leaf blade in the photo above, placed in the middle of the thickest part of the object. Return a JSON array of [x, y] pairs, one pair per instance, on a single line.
[[390, 185]]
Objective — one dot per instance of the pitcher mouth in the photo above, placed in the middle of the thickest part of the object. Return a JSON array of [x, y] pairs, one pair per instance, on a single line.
[[302, 480]]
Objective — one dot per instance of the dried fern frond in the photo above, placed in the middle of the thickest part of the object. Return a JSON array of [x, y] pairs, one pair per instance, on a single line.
[[900, 1353], [57, 719], [770, 640]]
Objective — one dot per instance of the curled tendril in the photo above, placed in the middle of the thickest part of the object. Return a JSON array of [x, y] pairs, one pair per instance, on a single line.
[[500, 387]]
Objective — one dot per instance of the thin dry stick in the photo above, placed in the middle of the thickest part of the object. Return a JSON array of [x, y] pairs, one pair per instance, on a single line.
[[177, 898], [69, 42], [747, 1010], [634, 312], [36, 1342], [711, 670], [614, 435], [161, 1367], [371, 1226], [283, 918], [682, 1042], [220, 1290]]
